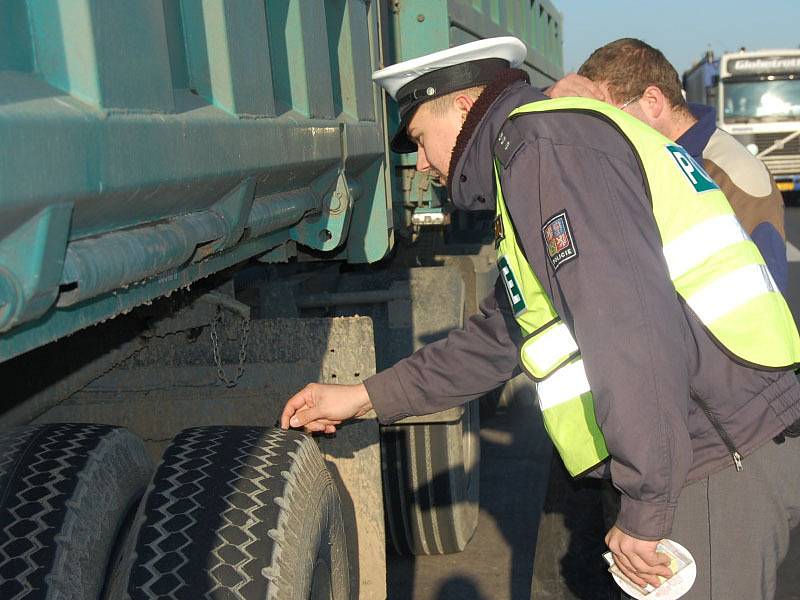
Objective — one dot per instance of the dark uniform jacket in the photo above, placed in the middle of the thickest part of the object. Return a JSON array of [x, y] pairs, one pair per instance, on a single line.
[[651, 365]]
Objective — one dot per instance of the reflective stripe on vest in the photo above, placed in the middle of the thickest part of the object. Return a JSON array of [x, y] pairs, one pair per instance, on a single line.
[[548, 349], [701, 242], [731, 291], [563, 385], [565, 400]]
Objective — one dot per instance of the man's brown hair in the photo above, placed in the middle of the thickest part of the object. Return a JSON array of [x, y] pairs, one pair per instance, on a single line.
[[629, 66]]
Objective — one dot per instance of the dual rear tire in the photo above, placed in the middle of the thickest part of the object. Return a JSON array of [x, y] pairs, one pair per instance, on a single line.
[[65, 491], [231, 512], [239, 513]]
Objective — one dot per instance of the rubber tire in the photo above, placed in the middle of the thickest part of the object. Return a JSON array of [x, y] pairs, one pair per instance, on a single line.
[[64, 492], [431, 483], [237, 513]]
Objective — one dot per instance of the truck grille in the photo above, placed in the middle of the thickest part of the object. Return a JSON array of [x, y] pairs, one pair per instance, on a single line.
[[782, 165], [780, 161], [765, 140]]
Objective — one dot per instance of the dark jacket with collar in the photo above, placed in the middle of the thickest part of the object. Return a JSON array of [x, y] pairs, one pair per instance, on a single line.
[[647, 359], [746, 183]]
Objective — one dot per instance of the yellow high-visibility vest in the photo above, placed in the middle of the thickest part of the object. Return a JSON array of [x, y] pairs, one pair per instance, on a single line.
[[715, 267]]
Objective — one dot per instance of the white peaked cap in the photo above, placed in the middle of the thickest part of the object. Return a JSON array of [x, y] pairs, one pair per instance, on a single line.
[[416, 81], [396, 76]]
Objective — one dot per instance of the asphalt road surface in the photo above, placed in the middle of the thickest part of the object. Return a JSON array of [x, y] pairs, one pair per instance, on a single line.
[[515, 462]]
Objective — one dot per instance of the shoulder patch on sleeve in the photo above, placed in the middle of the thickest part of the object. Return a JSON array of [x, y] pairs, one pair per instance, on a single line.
[[559, 241], [508, 142]]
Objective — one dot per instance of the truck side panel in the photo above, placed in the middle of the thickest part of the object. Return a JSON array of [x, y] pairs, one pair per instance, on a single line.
[[233, 129]]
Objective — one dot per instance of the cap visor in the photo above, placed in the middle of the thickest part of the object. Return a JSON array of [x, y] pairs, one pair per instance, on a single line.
[[401, 143]]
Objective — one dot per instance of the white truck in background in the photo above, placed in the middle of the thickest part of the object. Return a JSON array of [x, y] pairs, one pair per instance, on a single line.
[[757, 97]]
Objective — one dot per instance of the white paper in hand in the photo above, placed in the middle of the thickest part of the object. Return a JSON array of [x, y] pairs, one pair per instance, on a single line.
[[681, 564]]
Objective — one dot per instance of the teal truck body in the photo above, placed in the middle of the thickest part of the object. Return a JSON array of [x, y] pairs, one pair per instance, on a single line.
[[149, 144], [146, 145], [198, 214]]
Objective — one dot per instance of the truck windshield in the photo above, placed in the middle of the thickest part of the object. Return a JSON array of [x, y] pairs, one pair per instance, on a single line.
[[761, 100]]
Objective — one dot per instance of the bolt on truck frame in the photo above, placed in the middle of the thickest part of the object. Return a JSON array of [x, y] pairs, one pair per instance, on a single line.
[[199, 214]]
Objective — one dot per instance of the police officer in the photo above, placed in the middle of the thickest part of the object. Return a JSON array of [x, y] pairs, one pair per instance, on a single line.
[[662, 351]]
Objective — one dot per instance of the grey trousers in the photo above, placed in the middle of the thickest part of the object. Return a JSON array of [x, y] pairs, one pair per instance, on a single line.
[[736, 525]]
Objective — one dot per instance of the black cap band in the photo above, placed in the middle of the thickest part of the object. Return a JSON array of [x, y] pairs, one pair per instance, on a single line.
[[440, 83]]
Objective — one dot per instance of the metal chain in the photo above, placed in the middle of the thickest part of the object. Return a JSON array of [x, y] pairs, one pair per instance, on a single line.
[[242, 351]]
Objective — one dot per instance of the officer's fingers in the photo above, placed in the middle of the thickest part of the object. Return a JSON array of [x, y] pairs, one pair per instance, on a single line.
[[314, 414], [626, 567], [574, 85], [563, 87], [326, 422], [321, 426], [306, 415], [628, 571], [648, 572], [300, 400], [655, 563], [591, 88], [581, 86], [314, 427], [649, 578], [656, 559]]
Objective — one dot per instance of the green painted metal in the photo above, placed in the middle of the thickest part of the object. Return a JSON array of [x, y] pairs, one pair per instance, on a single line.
[[58, 323], [31, 261], [183, 135], [15, 46], [227, 54], [536, 22], [84, 47], [327, 229], [144, 145], [234, 211], [422, 26]]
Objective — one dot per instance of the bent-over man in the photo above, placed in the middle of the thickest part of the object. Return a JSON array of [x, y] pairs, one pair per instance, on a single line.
[[662, 351]]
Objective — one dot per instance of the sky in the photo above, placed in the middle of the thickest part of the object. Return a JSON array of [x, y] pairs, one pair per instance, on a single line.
[[682, 29]]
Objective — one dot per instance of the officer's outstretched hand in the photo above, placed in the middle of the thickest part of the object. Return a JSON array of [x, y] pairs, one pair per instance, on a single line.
[[575, 85], [321, 407], [637, 558]]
